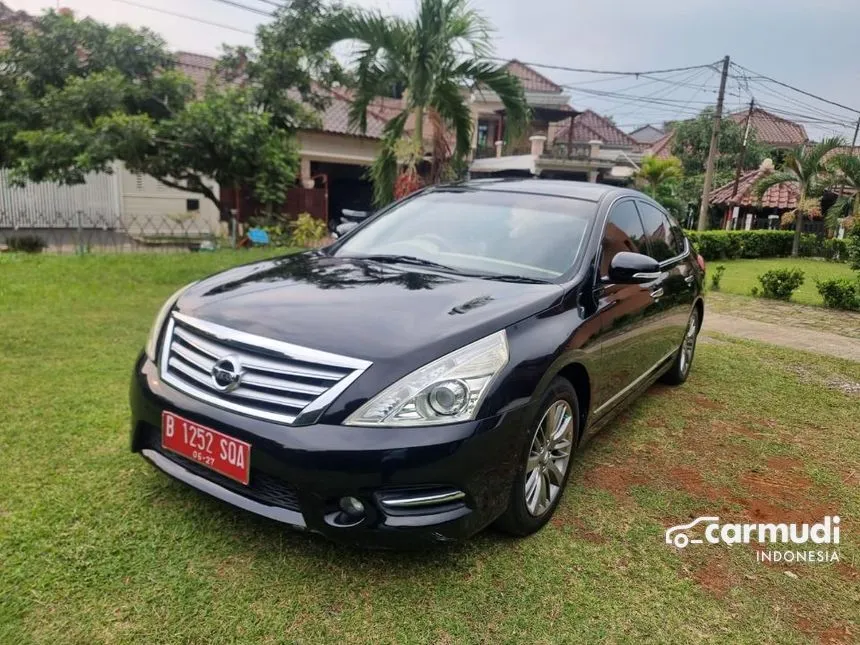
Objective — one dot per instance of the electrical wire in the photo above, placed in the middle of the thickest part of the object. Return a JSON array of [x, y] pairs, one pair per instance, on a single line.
[[245, 7], [175, 14]]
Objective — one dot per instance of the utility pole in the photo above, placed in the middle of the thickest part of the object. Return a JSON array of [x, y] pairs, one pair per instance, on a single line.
[[853, 143], [712, 151], [743, 154]]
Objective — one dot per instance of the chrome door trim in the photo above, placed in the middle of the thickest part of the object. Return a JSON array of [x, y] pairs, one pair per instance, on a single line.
[[619, 395]]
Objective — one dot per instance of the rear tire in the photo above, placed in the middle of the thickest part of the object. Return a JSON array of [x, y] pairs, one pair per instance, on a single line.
[[680, 369], [545, 462]]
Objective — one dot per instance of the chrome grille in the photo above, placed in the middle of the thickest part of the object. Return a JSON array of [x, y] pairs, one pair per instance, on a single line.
[[279, 381]]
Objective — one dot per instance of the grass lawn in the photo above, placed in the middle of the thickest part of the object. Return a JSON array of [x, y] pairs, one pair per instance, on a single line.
[[742, 275], [98, 547]]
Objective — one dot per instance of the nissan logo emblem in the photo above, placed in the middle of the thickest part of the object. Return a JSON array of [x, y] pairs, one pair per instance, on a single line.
[[227, 374]]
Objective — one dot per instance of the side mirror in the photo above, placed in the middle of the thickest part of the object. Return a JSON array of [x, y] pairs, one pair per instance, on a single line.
[[633, 268]]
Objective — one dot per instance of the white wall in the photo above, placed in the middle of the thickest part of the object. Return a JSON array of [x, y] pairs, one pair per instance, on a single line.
[[149, 207]]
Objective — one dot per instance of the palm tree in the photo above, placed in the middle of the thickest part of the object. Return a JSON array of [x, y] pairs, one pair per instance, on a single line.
[[804, 167], [433, 59], [658, 179], [846, 171]]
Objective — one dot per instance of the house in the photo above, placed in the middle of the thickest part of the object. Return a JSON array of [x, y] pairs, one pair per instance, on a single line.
[[559, 142], [741, 207], [771, 131], [647, 134], [333, 158]]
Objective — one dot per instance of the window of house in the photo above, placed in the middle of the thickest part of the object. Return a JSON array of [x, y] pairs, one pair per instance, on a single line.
[[623, 232], [192, 205], [483, 133]]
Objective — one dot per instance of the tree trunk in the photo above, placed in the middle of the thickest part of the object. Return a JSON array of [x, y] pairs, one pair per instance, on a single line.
[[798, 223], [419, 127]]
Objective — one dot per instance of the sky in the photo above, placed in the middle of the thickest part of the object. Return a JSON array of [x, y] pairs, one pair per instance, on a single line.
[[811, 46]]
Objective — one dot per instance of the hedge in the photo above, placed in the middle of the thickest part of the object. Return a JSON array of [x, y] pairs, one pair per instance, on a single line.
[[731, 245]]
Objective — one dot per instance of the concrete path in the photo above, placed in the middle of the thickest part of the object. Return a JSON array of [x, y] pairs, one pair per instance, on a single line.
[[808, 340]]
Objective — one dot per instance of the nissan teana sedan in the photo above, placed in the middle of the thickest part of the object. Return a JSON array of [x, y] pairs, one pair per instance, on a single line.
[[432, 372]]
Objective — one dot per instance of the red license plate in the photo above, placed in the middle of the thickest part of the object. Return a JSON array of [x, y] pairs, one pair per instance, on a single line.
[[222, 453]]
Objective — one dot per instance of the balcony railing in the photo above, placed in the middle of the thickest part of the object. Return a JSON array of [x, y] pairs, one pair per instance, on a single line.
[[564, 150]]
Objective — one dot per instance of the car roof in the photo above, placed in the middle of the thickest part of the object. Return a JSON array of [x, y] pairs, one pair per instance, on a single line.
[[557, 187]]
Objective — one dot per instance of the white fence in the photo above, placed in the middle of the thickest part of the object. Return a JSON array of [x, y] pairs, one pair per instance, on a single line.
[[95, 203]]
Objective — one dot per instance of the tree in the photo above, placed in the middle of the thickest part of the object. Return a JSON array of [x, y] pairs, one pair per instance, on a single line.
[[804, 166], [77, 95], [692, 142], [433, 58], [659, 179], [846, 172]]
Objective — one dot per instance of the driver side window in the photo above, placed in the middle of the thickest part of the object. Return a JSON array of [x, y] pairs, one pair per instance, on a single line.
[[623, 232]]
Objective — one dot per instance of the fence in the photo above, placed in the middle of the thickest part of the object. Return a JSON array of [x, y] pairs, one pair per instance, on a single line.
[[91, 232]]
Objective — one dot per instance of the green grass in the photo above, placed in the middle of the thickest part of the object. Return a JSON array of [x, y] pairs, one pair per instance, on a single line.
[[98, 547], [742, 275]]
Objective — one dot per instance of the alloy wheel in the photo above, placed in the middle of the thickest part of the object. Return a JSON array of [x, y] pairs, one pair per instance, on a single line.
[[549, 457], [689, 344]]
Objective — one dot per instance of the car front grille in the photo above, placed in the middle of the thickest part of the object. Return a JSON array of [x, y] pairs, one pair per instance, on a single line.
[[274, 380], [262, 487]]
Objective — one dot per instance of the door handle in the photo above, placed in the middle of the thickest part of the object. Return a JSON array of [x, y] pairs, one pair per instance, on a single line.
[[657, 293]]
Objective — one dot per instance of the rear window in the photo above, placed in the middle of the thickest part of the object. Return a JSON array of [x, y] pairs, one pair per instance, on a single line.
[[535, 236]]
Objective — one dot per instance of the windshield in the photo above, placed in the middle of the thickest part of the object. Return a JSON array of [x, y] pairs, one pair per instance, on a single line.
[[533, 236]]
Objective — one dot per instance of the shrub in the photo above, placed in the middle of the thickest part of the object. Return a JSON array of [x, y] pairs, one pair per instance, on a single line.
[[841, 293], [732, 245], [852, 247], [306, 230], [26, 243], [779, 284], [716, 277]]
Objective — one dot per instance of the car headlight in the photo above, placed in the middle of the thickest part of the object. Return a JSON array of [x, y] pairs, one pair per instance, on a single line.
[[155, 331], [447, 390]]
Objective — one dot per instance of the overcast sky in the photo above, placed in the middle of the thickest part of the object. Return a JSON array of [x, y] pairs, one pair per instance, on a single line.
[[811, 45]]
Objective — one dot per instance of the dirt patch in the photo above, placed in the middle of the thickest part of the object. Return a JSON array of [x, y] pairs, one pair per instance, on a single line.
[[587, 534], [705, 402], [615, 478], [715, 577], [834, 634]]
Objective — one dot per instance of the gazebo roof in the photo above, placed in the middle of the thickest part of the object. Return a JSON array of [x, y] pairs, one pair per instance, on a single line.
[[782, 196]]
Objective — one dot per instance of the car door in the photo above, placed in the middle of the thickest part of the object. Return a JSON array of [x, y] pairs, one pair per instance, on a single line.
[[629, 313], [667, 245]]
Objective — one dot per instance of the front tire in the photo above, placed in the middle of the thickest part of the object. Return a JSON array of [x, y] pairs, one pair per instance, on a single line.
[[546, 461], [680, 369]]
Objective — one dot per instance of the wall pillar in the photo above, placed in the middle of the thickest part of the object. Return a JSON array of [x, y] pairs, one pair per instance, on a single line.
[[538, 142], [592, 176], [499, 145]]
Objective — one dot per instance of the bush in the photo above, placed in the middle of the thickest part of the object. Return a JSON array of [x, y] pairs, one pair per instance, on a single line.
[[852, 247], [841, 293], [716, 277], [732, 245], [26, 243], [306, 230], [779, 284]]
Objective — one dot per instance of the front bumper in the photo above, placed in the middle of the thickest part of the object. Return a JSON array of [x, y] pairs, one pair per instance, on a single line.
[[298, 474]]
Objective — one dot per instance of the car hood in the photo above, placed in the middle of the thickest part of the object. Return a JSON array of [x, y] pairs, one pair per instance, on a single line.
[[361, 308]]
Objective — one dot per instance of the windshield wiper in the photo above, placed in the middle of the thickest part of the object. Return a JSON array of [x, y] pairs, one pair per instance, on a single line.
[[406, 259], [502, 277]]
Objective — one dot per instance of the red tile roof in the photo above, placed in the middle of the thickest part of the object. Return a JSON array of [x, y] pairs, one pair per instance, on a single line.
[[589, 126], [782, 196], [198, 67], [334, 119], [772, 130], [532, 81], [662, 147]]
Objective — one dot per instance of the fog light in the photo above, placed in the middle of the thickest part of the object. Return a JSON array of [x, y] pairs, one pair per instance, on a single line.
[[448, 397], [352, 506]]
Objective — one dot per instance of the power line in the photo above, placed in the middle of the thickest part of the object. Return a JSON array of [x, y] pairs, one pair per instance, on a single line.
[[245, 7], [601, 71], [796, 89], [185, 16]]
